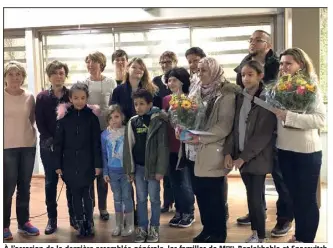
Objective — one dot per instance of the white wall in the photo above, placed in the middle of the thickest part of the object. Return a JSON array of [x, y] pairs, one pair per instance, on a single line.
[[43, 17]]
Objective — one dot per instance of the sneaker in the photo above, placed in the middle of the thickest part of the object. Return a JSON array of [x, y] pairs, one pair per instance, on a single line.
[[153, 235], [175, 220], [141, 235], [186, 221], [104, 215], [201, 238], [245, 220], [253, 238], [281, 229], [28, 229], [7, 234]]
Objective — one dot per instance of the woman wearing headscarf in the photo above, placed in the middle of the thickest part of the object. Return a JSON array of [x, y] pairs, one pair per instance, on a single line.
[[218, 95]]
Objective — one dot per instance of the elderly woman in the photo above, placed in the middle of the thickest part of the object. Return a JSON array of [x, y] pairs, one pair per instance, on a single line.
[[19, 149], [300, 150], [219, 96], [100, 90]]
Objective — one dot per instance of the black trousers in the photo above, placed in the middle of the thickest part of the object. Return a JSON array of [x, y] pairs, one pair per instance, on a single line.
[[168, 195], [254, 189], [83, 203], [301, 173], [210, 198], [51, 184]]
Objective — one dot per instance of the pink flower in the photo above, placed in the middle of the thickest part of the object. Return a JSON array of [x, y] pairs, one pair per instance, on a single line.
[[301, 90]]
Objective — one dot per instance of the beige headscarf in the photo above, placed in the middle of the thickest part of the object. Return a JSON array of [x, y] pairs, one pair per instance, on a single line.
[[216, 72]]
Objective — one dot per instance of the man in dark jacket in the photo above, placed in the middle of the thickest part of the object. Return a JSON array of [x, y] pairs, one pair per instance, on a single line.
[[260, 49], [46, 105]]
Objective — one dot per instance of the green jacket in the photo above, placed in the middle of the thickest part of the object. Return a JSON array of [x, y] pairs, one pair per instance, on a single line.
[[157, 147]]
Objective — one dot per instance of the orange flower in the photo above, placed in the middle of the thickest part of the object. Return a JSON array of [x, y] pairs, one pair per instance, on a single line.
[[311, 88]]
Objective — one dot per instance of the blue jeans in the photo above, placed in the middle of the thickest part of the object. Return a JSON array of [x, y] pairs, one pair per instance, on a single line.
[[18, 165], [182, 186], [121, 188], [145, 187]]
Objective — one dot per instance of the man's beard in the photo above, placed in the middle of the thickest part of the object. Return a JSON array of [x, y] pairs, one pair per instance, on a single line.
[[254, 53]]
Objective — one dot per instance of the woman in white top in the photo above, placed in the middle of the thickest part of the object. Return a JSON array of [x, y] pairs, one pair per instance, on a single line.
[[100, 90], [300, 150], [19, 149]]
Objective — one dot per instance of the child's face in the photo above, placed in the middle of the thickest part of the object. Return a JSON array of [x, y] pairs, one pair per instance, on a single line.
[[116, 120], [141, 106], [79, 99], [250, 77]]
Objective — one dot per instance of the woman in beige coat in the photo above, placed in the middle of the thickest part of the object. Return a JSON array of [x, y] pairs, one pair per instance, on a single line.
[[219, 96]]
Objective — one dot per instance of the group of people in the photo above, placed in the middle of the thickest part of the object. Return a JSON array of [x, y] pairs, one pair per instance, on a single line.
[[119, 132]]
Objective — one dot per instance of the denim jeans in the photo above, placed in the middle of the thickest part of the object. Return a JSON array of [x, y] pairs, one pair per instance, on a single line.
[[51, 183], [301, 174], [145, 187], [121, 188], [18, 165], [181, 186]]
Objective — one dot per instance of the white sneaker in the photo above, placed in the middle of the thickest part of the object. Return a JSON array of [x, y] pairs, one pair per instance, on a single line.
[[253, 238]]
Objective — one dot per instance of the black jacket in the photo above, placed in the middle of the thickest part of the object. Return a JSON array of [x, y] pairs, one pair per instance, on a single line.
[[122, 95], [271, 68], [77, 145], [162, 92]]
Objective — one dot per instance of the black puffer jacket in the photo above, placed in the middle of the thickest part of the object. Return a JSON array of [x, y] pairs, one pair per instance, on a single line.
[[77, 145]]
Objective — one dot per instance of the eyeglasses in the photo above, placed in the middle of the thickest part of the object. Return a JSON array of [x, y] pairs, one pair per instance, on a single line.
[[256, 41], [168, 62]]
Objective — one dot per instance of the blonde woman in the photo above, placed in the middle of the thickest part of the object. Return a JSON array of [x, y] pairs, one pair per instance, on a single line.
[[137, 77], [100, 90], [19, 149], [300, 150]]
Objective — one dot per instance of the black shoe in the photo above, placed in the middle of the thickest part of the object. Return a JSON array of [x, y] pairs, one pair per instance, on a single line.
[[104, 216], [165, 209], [215, 239], [226, 212], [187, 220], [175, 220], [82, 229], [281, 228], [51, 226], [89, 225], [245, 220], [201, 238], [73, 223]]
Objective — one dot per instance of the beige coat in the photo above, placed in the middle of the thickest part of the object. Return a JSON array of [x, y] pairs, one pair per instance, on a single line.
[[210, 160]]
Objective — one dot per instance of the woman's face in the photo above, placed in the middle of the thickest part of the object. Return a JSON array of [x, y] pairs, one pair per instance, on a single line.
[[174, 85], [167, 64], [93, 67], [136, 71], [204, 73], [14, 78], [288, 65]]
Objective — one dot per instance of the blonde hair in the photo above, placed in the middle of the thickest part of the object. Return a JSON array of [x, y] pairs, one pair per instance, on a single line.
[[300, 57], [12, 65], [145, 80], [113, 108], [97, 57]]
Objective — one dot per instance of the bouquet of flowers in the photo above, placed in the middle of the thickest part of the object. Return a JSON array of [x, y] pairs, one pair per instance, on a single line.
[[297, 93], [185, 114]]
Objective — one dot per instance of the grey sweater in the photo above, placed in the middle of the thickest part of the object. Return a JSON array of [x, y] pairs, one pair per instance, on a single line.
[[99, 93]]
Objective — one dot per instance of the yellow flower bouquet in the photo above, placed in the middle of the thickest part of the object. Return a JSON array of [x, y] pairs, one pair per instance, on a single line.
[[185, 113], [297, 93]]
